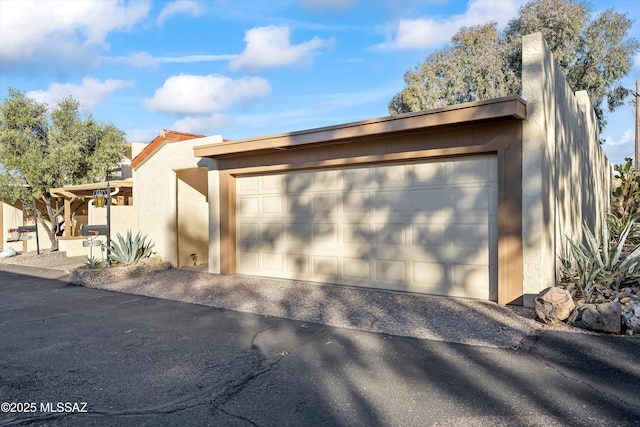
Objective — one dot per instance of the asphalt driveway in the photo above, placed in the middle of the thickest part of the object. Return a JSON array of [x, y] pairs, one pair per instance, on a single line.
[[77, 356]]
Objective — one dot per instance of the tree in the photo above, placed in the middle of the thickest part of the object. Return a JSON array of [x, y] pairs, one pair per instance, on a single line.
[[470, 69], [40, 150], [593, 54]]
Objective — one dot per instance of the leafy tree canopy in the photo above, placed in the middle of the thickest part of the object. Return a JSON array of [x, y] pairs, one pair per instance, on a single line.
[[594, 52], [42, 149]]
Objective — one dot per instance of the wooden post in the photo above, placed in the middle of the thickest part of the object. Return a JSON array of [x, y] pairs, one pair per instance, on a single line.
[[25, 243], [35, 222], [2, 236], [636, 96], [67, 217], [108, 222]]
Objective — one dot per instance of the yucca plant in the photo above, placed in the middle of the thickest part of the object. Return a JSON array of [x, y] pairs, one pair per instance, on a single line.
[[130, 250], [586, 266]]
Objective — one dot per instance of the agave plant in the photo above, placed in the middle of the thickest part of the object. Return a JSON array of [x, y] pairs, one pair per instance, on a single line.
[[130, 250], [579, 270], [93, 262], [617, 224], [586, 266]]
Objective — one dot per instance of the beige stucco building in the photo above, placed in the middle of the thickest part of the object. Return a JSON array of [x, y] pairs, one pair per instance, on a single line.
[[471, 200], [171, 196]]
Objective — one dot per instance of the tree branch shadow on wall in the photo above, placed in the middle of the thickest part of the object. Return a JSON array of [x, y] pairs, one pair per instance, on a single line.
[[365, 222]]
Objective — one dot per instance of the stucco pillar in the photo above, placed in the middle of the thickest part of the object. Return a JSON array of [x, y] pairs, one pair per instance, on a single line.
[[537, 170], [214, 218], [171, 240], [565, 173]]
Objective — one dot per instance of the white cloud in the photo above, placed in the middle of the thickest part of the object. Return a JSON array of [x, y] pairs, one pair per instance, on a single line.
[[626, 138], [195, 58], [191, 94], [328, 5], [203, 124], [137, 60], [89, 93], [636, 61], [66, 30], [141, 135], [422, 33], [185, 7], [270, 46], [146, 60]]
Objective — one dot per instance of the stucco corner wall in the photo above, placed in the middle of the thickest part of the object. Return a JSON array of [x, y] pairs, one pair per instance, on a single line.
[[155, 192], [565, 173]]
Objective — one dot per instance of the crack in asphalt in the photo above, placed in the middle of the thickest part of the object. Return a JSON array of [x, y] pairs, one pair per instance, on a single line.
[[240, 384], [260, 366], [238, 417]]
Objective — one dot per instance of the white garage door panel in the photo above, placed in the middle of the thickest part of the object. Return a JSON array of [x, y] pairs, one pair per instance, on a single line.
[[421, 227]]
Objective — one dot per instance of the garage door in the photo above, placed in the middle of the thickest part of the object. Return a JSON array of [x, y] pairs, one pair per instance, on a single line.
[[427, 227]]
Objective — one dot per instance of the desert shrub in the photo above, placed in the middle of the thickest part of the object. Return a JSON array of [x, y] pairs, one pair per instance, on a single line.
[[617, 225], [585, 266], [130, 250], [94, 262], [625, 201]]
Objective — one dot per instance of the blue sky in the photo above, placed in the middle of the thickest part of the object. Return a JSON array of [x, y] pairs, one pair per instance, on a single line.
[[243, 68]]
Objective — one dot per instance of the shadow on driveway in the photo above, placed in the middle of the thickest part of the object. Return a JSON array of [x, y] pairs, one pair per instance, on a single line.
[[138, 360]]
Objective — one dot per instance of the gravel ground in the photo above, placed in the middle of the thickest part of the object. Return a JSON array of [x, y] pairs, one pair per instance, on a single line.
[[453, 320], [49, 260]]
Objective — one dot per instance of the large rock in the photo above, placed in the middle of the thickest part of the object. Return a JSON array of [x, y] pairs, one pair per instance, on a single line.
[[605, 317], [553, 305], [631, 317]]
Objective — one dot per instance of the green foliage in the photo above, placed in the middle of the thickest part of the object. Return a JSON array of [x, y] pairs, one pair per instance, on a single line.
[[48, 150], [130, 250], [9, 189], [617, 225], [626, 193], [470, 69], [580, 270], [42, 149], [584, 266], [482, 63], [94, 262]]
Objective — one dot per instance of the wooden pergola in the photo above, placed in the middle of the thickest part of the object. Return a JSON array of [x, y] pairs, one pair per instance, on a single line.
[[69, 193]]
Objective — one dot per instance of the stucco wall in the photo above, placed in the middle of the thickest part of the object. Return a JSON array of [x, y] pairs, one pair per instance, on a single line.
[[192, 216], [11, 217], [123, 218], [565, 173], [155, 192]]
